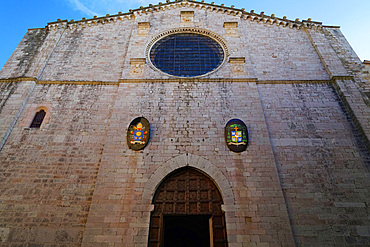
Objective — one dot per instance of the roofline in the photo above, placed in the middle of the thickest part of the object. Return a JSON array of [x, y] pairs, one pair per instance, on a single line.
[[160, 5]]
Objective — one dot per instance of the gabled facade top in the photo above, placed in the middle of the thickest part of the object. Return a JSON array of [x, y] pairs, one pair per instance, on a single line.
[[256, 46], [252, 16]]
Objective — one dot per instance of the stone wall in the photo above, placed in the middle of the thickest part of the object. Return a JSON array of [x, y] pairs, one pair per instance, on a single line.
[[322, 162], [355, 91], [48, 174], [303, 180], [7, 90], [22, 61], [13, 97], [85, 51], [187, 122], [87, 54], [281, 53]]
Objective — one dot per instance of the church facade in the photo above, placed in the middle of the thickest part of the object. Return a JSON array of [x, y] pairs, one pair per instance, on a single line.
[[185, 124]]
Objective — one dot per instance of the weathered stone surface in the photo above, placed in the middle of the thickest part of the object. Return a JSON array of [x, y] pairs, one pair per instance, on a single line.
[[22, 61], [298, 86], [322, 165]]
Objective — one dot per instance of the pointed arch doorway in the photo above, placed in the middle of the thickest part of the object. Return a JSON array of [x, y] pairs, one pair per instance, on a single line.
[[187, 212]]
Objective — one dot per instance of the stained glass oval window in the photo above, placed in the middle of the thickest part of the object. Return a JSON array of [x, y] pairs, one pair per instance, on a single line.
[[186, 54]]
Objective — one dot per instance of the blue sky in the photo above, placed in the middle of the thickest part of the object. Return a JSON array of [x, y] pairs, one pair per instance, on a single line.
[[16, 16]]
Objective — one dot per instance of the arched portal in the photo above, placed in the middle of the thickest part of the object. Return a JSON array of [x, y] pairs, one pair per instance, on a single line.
[[187, 212]]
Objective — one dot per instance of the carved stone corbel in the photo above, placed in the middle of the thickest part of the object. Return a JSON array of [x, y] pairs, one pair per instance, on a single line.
[[237, 65], [187, 17], [231, 28], [137, 66], [143, 28]]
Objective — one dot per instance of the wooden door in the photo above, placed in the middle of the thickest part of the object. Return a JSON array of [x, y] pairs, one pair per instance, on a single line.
[[187, 197]]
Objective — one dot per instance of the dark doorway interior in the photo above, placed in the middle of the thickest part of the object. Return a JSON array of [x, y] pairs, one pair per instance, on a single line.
[[186, 231]]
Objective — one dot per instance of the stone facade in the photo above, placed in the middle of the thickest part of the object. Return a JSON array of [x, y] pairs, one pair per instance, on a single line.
[[298, 86]]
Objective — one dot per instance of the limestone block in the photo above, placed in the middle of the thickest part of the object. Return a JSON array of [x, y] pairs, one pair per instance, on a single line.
[[237, 65], [137, 66], [231, 28], [143, 28], [187, 17]]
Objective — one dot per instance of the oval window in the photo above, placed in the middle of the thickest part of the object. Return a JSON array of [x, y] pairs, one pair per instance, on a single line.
[[186, 54]]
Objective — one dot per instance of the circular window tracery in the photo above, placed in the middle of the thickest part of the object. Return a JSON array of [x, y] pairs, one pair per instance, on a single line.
[[186, 54]]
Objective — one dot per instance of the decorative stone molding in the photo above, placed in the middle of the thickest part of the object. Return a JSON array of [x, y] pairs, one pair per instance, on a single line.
[[272, 20], [237, 65], [187, 17], [210, 34], [137, 66], [53, 26], [212, 7], [191, 80], [143, 28], [194, 30], [18, 79], [231, 28], [175, 80], [197, 162]]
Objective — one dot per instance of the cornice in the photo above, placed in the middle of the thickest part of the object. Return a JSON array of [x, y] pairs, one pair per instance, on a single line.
[[294, 82], [79, 82], [184, 80], [342, 77], [212, 7], [283, 22], [325, 26], [175, 80], [17, 79], [20, 79]]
